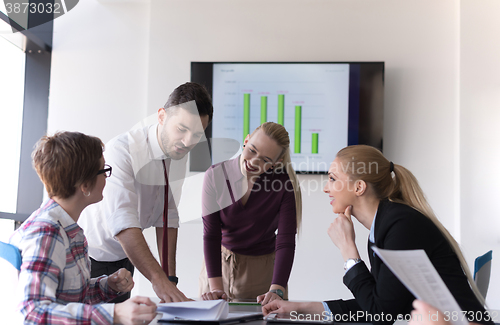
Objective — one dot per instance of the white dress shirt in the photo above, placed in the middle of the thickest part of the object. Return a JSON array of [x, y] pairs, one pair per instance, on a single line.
[[134, 194]]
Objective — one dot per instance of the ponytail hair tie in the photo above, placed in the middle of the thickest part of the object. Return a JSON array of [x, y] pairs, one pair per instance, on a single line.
[[391, 167]]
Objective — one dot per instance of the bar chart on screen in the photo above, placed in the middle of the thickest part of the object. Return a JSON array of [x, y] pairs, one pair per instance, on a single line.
[[257, 111], [310, 101]]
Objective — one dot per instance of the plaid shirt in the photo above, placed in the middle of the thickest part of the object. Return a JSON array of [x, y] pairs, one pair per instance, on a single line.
[[54, 283]]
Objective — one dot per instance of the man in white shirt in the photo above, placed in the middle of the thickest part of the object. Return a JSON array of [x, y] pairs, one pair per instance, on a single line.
[[134, 195]]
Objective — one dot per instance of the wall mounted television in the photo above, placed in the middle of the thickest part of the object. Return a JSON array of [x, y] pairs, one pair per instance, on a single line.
[[324, 106]]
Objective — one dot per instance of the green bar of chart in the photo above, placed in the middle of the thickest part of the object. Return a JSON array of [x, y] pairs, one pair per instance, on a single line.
[[298, 127], [314, 143], [281, 109], [263, 109], [246, 115]]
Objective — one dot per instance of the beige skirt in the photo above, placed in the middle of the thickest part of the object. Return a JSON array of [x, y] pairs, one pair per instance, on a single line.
[[243, 276]]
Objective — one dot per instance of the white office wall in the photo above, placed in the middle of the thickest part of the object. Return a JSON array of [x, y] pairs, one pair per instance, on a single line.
[[99, 74], [114, 64], [479, 135], [99, 68]]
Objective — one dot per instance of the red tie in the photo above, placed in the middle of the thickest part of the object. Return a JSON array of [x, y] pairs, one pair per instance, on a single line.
[[165, 224]]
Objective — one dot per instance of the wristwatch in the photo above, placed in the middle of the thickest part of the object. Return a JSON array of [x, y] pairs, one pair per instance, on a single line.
[[350, 263], [279, 292]]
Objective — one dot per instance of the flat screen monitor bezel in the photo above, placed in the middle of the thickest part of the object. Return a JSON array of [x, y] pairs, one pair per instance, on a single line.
[[365, 125]]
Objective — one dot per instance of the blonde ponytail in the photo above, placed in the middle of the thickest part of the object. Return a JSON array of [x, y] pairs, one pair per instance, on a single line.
[[410, 193], [402, 188]]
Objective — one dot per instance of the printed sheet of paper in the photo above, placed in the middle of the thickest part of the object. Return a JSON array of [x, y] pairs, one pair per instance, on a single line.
[[414, 269], [195, 310]]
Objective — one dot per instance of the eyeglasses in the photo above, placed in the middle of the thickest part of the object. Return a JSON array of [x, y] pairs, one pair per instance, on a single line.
[[106, 171]]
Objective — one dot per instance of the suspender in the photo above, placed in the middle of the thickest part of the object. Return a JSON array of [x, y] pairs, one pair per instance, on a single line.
[[228, 184]]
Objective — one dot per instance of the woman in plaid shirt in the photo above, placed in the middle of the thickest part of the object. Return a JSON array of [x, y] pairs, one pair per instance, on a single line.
[[54, 283]]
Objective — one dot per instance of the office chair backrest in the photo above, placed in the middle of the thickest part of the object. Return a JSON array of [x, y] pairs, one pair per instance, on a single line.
[[482, 272], [10, 265], [11, 254]]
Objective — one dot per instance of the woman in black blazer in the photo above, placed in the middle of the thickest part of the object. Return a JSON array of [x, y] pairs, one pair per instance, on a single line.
[[387, 200]]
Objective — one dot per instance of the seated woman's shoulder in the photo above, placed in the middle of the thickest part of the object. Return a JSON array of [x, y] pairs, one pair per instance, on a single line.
[[30, 232], [395, 207], [405, 213], [43, 223]]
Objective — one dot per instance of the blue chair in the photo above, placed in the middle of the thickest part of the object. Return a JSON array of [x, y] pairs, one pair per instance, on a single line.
[[11, 254], [482, 272], [10, 266]]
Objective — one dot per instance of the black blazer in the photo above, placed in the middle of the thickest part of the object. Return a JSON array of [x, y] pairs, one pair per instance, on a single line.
[[400, 227]]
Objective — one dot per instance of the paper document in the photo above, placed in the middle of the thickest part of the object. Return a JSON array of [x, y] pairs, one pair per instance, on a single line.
[[195, 310], [414, 269]]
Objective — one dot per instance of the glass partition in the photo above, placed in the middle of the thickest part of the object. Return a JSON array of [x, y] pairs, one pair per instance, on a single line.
[[12, 66]]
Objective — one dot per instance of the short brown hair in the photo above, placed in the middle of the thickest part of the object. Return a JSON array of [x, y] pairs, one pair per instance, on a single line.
[[188, 92], [65, 160]]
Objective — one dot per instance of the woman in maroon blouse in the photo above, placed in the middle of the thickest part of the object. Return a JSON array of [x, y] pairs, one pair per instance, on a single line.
[[245, 200]]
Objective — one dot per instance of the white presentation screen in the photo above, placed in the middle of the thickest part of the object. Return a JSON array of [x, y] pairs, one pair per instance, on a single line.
[[310, 100], [324, 106]]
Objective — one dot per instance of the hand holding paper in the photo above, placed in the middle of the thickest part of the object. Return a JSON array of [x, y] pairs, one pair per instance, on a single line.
[[414, 269]]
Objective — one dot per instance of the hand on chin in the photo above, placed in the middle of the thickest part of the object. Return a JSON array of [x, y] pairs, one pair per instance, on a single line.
[[339, 210]]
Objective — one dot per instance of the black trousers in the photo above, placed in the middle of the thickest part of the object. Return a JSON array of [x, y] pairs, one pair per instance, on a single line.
[[107, 268]]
